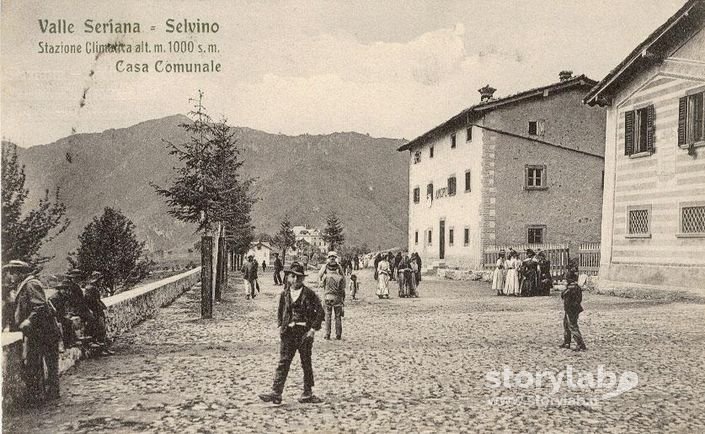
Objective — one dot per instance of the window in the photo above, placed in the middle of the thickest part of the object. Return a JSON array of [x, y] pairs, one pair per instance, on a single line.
[[417, 157], [638, 221], [416, 237], [430, 236], [429, 192], [452, 141], [692, 219], [451, 186], [417, 195], [535, 234], [691, 119], [639, 131], [466, 236], [536, 128], [467, 180], [431, 152], [468, 134], [535, 178], [450, 236]]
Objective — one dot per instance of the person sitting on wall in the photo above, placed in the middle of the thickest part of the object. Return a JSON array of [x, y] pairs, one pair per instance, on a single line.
[[96, 328]]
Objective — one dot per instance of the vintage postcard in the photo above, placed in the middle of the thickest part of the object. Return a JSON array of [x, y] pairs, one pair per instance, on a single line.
[[353, 216]]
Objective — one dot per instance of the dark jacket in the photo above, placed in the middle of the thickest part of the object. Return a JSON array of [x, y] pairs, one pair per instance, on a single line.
[[249, 270], [278, 265], [312, 305], [572, 297], [34, 316]]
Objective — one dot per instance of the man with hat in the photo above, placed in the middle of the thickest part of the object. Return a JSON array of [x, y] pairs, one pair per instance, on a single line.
[[249, 273], [36, 319], [332, 279], [300, 313], [96, 327]]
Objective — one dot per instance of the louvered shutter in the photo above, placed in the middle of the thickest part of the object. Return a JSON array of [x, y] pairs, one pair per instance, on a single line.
[[682, 118], [629, 133], [650, 114]]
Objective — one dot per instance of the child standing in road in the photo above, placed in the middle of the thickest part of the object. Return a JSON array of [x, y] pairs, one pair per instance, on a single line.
[[354, 286], [572, 297]]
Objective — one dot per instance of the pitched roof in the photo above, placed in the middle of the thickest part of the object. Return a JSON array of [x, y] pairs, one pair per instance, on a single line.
[[641, 55], [486, 106]]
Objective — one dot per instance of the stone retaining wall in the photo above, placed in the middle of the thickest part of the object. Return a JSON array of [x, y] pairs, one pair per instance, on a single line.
[[125, 310]]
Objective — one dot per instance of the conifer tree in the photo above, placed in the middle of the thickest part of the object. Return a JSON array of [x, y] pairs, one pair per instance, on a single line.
[[333, 232]]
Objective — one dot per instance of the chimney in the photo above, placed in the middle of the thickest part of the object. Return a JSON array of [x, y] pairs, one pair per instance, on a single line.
[[565, 75], [486, 93]]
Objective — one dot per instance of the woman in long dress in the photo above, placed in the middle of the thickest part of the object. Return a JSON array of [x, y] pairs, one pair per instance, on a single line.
[[498, 276], [511, 284], [383, 273], [529, 274]]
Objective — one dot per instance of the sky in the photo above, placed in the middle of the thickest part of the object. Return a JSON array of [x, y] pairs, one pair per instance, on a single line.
[[387, 68]]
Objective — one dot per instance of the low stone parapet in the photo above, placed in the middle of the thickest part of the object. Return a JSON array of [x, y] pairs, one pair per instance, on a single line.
[[125, 310]]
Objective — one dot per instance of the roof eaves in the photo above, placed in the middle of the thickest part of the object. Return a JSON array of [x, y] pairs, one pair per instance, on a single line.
[[593, 97]]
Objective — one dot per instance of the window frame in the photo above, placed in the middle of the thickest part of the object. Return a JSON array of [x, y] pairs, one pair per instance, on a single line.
[[429, 195], [638, 143], [416, 238], [534, 227], [431, 152], [544, 177], [451, 233], [455, 185], [468, 134], [466, 236], [689, 204], [685, 137], [468, 181], [417, 194], [417, 156], [429, 237], [626, 223], [453, 141]]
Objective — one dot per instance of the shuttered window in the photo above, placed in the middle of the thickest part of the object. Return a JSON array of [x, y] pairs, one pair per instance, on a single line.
[[639, 130], [691, 119], [417, 195]]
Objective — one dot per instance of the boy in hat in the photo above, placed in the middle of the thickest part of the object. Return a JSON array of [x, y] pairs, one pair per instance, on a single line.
[[572, 297], [36, 319], [300, 313]]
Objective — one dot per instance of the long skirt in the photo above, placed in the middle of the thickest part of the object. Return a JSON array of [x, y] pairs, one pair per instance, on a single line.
[[498, 278], [511, 282], [383, 285]]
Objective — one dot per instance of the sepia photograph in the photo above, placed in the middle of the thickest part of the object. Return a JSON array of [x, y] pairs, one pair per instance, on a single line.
[[333, 216]]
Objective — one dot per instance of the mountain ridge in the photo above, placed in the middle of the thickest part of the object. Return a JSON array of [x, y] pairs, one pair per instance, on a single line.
[[362, 178]]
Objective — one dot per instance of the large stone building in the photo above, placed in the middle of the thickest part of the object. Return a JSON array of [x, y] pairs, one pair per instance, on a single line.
[[526, 168], [310, 235], [653, 220]]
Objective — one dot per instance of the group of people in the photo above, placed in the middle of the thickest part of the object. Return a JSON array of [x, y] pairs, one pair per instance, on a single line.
[[73, 315], [524, 278], [405, 269]]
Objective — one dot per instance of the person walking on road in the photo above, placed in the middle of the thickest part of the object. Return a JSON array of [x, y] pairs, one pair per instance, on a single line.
[[264, 266], [277, 270], [299, 315], [383, 274], [333, 281], [249, 273]]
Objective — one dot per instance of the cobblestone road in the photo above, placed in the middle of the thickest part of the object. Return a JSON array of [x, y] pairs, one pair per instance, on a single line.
[[409, 365]]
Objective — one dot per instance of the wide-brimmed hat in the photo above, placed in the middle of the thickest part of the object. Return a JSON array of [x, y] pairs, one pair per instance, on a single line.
[[74, 273], [332, 253], [296, 269], [16, 265]]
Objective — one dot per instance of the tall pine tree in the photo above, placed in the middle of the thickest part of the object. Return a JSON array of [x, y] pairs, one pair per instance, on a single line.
[[333, 232], [285, 238]]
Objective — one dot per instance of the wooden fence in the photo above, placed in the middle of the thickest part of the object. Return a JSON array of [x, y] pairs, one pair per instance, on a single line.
[[589, 258], [558, 254]]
